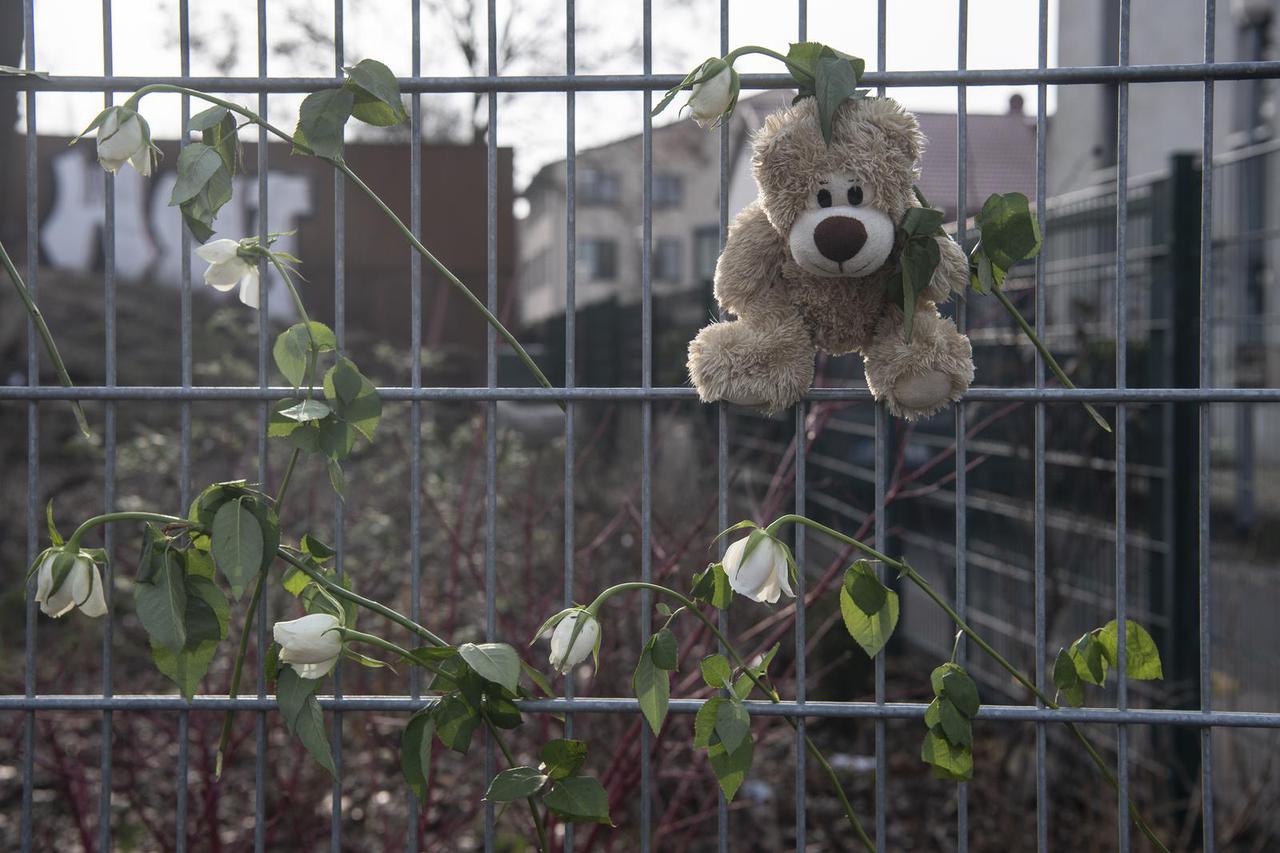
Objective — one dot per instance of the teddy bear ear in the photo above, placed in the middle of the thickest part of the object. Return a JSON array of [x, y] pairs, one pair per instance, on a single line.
[[900, 128]]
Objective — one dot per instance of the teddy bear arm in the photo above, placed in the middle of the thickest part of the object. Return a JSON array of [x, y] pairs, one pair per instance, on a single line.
[[765, 362], [748, 268], [922, 377], [951, 276]]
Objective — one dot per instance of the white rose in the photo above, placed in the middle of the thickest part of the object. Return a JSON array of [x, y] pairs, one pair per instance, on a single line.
[[763, 575], [227, 269], [566, 655], [311, 644], [124, 137], [81, 588], [714, 96]]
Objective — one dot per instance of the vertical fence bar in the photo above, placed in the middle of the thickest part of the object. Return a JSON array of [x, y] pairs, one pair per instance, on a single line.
[[570, 331], [881, 528], [261, 723], [722, 416], [491, 380], [801, 630], [646, 406], [1123, 822], [340, 333], [184, 469], [412, 841], [961, 489], [1038, 499], [109, 444], [33, 435], [1204, 470]]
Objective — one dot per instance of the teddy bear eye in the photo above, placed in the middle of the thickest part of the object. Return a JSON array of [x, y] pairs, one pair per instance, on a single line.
[[855, 196], [824, 198]]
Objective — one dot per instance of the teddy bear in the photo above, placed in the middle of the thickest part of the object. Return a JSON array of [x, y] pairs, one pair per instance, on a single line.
[[809, 266]]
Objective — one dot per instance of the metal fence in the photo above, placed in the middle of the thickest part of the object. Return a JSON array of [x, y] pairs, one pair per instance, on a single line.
[[1199, 717]]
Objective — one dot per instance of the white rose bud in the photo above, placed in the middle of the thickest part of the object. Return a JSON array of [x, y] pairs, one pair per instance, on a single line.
[[715, 94], [763, 575], [124, 137], [81, 588], [227, 269], [311, 644], [566, 655]]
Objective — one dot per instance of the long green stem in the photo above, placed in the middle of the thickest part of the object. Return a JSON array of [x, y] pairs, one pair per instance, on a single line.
[[340, 591], [912, 575], [288, 476], [237, 671], [533, 804], [42, 327], [692, 606], [1045, 354], [342, 167]]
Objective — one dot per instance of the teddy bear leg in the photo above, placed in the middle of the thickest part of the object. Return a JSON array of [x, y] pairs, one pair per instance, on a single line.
[[769, 365], [922, 377]]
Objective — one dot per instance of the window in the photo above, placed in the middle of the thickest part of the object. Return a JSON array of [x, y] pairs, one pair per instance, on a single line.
[[598, 187], [668, 190], [598, 258], [666, 259], [706, 251]]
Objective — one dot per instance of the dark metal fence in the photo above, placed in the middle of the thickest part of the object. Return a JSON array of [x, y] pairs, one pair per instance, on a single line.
[[1131, 561]]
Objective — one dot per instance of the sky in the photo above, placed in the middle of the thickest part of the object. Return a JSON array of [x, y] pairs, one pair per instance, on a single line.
[[921, 34]]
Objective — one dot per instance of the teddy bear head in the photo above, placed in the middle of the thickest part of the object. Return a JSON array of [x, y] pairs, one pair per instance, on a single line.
[[837, 206]]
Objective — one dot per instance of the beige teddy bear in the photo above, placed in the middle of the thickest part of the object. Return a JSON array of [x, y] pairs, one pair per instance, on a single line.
[[808, 266]]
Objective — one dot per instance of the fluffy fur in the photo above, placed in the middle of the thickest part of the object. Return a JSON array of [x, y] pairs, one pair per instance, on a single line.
[[784, 313]]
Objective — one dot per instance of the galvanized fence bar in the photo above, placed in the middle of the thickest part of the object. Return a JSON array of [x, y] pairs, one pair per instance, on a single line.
[[491, 379], [261, 723], [1123, 821], [570, 331], [1038, 444], [961, 428], [646, 406], [881, 524]]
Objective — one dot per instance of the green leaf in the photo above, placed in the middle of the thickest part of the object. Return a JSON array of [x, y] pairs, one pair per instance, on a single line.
[[562, 757], [539, 680], [1010, 232], [870, 632], [665, 651], [502, 712], [579, 799], [306, 410], [455, 721], [954, 724], [922, 221], [197, 164], [948, 761], [293, 345], [1067, 680], [206, 119], [222, 137], [316, 548], [199, 211], [353, 397], [960, 689], [496, 662], [731, 767], [302, 715], [377, 94], [652, 686], [835, 80], [162, 603], [185, 668], [712, 586], [515, 783], [237, 544], [920, 257], [716, 670], [704, 722], [865, 588], [208, 614], [321, 120], [732, 724], [1090, 660], [1142, 658], [933, 714], [415, 753]]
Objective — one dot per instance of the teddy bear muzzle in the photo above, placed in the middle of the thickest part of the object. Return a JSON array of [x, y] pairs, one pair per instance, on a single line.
[[846, 242]]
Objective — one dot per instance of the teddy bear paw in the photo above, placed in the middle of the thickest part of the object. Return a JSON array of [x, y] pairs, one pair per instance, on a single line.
[[924, 394]]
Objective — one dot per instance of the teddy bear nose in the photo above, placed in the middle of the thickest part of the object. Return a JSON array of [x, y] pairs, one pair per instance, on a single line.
[[839, 238]]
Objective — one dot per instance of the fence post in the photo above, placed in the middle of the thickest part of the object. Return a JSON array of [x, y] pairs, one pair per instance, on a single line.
[[1182, 282]]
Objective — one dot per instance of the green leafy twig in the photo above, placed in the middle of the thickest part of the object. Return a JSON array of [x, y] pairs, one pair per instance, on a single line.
[[46, 336]]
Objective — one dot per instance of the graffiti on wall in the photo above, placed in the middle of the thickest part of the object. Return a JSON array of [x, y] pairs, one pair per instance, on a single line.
[[148, 232]]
